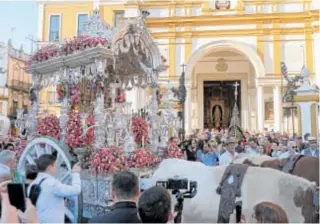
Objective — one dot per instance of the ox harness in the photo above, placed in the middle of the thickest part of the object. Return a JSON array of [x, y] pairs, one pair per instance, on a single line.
[[230, 188], [288, 167]]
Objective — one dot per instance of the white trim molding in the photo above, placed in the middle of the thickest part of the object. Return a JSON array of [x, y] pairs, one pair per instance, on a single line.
[[40, 36]]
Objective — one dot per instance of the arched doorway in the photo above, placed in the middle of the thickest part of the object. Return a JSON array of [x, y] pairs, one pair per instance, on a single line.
[[226, 62]]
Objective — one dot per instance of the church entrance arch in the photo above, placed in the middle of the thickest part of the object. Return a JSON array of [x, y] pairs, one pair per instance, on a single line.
[[224, 61]]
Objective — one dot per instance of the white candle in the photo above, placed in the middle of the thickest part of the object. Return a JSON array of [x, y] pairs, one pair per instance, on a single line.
[[142, 141]]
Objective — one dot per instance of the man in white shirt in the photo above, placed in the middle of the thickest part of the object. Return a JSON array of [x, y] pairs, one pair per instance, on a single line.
[[50, 204], [7, 162], [229, 156]]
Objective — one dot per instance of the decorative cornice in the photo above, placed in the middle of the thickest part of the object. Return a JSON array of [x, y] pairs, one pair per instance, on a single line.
[[243, 32], [163, 3], [307, 98], [237, 19]]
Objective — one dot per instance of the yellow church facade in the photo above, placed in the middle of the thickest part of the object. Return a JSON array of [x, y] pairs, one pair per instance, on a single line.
[[223, 43]]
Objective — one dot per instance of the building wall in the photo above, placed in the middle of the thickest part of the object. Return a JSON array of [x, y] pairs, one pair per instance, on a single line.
[[18, 81], [3, 78], [276, 30], [286, 36]]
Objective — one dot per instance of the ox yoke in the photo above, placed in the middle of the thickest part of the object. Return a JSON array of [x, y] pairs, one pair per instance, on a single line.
[[230, 188]]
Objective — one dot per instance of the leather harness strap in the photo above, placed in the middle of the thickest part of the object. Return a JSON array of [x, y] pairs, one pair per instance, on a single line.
[[290, 164], [230, 188]]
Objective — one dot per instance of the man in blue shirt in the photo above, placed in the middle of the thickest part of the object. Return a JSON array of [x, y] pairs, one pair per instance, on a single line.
[[207, 156]]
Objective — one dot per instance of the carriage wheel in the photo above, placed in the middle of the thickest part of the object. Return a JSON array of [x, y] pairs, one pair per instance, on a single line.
[[48, 145]]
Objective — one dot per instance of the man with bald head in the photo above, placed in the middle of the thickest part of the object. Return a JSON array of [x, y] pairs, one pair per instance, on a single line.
[[7, 163]]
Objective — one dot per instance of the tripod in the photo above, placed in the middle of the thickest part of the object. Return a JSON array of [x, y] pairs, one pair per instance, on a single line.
[[180, 196]]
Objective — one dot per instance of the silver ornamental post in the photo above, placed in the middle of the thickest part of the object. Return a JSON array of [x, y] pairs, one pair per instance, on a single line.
[[154, 114], [99, 120], [35, 104], [64, 104]]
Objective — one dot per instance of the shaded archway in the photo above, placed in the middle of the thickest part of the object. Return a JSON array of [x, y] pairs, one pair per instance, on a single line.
[[242, 49]]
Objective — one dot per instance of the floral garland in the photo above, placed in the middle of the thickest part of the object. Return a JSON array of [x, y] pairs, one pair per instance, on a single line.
[[108, 160], [49, 126], [140, 129], [74, 130], [142, 158], [67, 48], [174, 151]]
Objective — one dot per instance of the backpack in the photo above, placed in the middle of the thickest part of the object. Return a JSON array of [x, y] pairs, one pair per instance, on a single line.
[[35, 191]]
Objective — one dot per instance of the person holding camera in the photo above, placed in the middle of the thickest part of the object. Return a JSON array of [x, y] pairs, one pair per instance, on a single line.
[[125, 193], [154, 206], [50, 203], [10, 214]]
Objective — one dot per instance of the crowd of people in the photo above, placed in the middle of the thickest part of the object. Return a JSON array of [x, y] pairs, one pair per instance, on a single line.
[[46, 195], [215, 147]]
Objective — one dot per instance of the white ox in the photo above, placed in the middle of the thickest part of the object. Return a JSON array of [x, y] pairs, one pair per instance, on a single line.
[[255, 159], [259, 184]]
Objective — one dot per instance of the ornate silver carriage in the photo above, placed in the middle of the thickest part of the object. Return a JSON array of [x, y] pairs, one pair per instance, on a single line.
[[104, 57]]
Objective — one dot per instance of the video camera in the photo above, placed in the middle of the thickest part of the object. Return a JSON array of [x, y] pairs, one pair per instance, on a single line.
[[176, 185]]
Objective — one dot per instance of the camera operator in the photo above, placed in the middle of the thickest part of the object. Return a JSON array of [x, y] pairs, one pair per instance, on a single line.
[[50, 203], [154, 206], [125, 193]]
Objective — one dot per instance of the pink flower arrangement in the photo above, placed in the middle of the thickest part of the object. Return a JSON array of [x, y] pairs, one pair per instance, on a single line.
[[174, 151], [142, 158], [74, 130], [140, 129], [88, 139], [67, 48], [108, 160], [49, 126]]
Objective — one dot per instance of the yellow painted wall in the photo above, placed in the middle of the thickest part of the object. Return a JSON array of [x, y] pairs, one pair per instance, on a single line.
[[68, 12], [17, 74], [107, 13]]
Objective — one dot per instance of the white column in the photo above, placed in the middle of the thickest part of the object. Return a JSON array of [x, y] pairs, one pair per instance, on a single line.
[[305, 117], [277, 108], [260, 108], [40, 21]]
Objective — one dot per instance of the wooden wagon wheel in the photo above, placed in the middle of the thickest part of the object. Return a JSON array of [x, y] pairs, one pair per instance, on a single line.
[[48, 145]]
